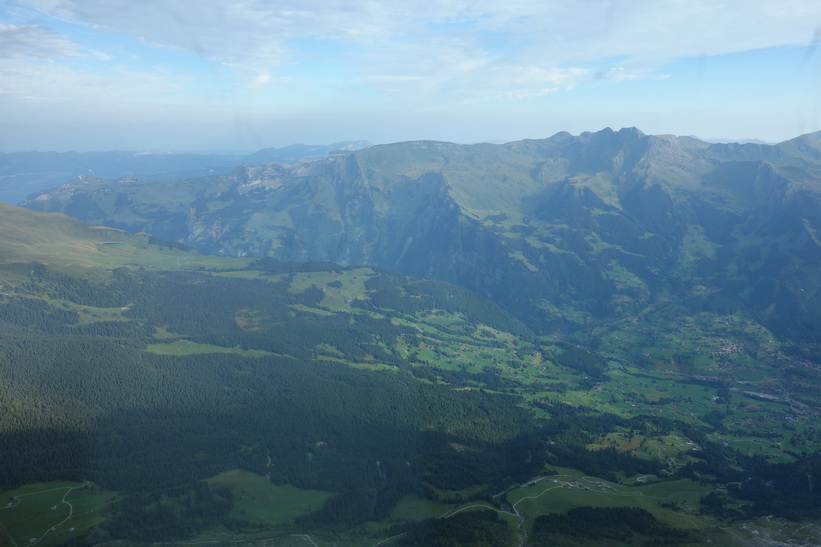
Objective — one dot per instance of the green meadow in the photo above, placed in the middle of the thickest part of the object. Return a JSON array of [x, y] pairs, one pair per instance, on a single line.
[[51, 513], [257, 500]]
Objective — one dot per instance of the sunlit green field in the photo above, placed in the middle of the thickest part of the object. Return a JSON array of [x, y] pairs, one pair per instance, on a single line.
[[257, 500], [51, 513]]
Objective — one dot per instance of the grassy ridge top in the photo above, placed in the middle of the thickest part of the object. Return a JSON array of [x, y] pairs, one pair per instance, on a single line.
[[64, 243]]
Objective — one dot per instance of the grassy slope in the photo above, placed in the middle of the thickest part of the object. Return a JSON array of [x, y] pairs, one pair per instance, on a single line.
[[258, 501], [52, 512], [63, 243]]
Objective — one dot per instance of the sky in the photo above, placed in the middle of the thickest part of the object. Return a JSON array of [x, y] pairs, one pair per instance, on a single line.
[[238, 76]]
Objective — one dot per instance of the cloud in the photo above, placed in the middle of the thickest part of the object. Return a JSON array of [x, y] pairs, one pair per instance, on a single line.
[[100, 56], [34, 42], [446, 43], [379, 58], [120, 91], [561, 30]]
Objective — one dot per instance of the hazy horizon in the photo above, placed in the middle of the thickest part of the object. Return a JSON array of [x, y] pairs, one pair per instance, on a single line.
[[228, 152]]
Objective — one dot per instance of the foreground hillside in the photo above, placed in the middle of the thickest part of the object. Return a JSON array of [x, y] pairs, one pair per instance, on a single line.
[[155, 394]]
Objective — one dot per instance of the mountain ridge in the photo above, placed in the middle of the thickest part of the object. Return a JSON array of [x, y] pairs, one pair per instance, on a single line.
[[562, 230], [22, 173]]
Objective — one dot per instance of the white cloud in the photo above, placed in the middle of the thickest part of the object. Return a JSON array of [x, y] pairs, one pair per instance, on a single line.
[[286, 58], [449, 42], [34, 42], [120, 91], [100, 56]]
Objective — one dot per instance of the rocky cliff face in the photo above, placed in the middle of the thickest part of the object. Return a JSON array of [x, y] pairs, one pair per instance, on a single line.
[[561, 231]]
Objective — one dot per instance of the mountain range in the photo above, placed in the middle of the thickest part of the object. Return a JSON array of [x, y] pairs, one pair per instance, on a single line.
[[22, 173], [563, 232]]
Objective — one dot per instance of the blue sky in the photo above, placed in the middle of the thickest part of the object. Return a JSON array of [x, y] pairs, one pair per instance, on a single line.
[[216, 75]]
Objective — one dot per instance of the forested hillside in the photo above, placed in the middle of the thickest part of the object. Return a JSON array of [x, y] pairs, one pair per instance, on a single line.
[[371, 388]]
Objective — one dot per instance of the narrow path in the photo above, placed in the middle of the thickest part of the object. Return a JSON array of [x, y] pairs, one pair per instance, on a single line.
[[515, 513], [306, 536], [388, 539], [6, 532], [50, 528], [592, 484]]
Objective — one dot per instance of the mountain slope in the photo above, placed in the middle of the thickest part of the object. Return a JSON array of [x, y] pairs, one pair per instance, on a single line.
[[560, 231], [66, 244]]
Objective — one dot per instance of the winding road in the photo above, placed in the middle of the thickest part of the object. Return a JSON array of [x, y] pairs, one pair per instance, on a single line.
[[18, 501]]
